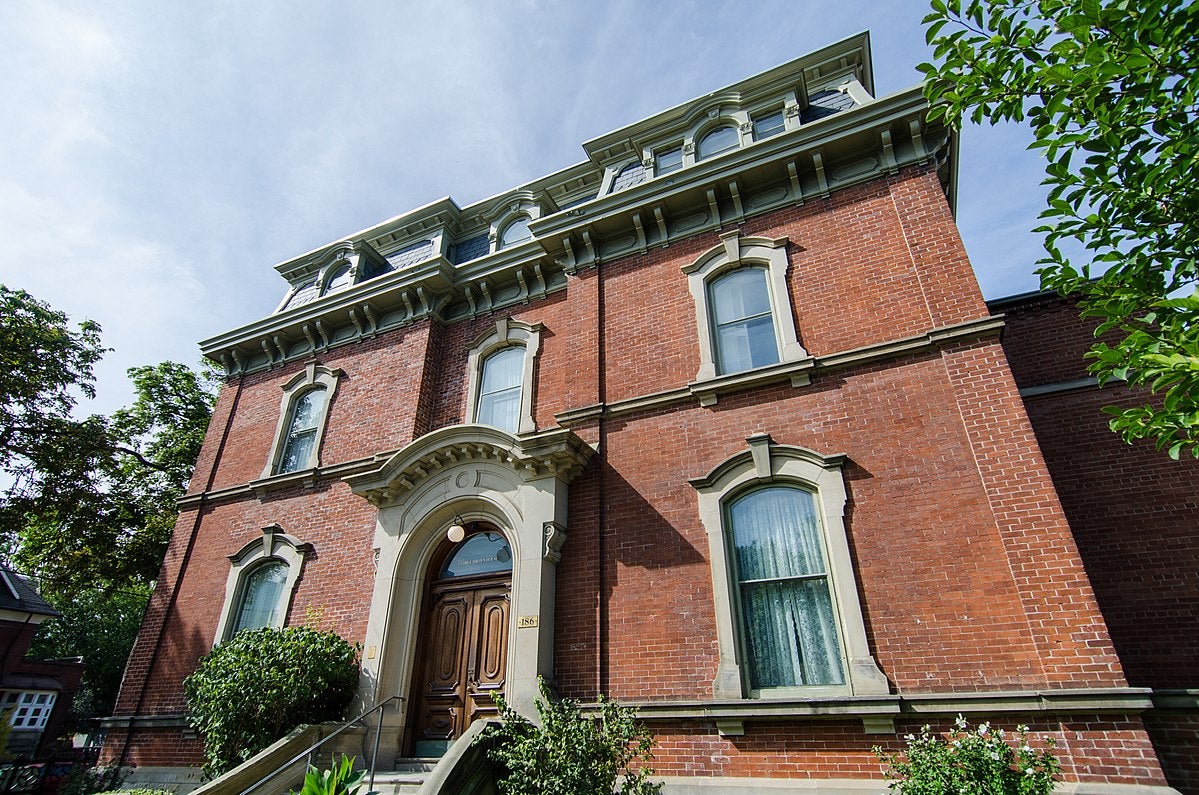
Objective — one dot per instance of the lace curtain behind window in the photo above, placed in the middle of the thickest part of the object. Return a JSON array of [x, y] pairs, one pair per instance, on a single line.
[[787, 614]]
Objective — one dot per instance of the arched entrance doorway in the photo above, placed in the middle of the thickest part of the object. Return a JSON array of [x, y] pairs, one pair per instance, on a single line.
[[463, 647]]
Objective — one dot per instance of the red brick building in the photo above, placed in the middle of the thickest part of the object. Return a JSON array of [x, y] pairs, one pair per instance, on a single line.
[[715, 422]]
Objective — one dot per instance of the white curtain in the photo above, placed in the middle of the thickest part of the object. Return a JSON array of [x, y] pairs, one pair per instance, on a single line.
[[790, 629], [261, 597], [499, 389]]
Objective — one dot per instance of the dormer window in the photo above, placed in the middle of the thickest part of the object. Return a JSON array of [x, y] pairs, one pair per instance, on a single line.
[[668, 160], [342, 276], [515, 232], [768, 124], [719, 140]]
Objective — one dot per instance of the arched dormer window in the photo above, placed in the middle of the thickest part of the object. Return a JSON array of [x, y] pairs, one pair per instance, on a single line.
[[342, 276], [303, 412], [720, 139], [262, 576], [500, 376], [515, 232]]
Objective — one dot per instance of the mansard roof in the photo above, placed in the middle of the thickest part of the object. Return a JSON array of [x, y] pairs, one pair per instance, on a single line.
[[802, 130]]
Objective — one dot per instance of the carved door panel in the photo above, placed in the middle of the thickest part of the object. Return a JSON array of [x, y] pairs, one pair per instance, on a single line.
[[465, 655]]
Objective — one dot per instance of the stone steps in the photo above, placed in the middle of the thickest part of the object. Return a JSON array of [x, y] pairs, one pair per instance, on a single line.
[[405, 778]]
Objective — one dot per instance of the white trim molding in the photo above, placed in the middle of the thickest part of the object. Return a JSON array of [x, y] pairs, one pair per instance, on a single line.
[[273, 544], [313, 376], [736, 252], [767, 462], [508, 333]]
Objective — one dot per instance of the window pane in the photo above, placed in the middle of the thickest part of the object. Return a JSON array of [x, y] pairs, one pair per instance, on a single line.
[[500, 389], [743, 323], [515, 232], [786, 611], [479, 554], [306, 412], [740, 294], [342, 277], [668, 160], [501, 410], [791, 634], [719, 140], [768, 125], [301, 431], [261, 597]]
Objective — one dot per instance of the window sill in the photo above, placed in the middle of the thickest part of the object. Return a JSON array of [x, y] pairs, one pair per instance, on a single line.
[[303, 478], [878, 713], [708, 391]]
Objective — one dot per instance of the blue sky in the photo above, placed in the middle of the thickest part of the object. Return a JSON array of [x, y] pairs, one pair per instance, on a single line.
[[158, 158]]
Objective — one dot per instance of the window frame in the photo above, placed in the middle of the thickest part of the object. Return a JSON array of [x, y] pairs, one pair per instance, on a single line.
[[767, 463], [273, 545], [735, 252], [314, 376], [723, 123], [22, 710], [507, 333]]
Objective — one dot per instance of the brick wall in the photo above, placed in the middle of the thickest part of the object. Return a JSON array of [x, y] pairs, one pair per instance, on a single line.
[[942, 469]]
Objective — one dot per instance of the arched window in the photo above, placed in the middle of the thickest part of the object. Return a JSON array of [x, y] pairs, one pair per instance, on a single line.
[[515, 232], [788, 625], [499, 390], [483, 553], [721, 139], [500, 387], [742, 322], [261, 602], [788, 619], [262, 577], [306, 414], [343, 276]]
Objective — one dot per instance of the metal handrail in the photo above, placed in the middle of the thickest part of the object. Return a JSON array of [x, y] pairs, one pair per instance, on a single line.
[[308, 752]]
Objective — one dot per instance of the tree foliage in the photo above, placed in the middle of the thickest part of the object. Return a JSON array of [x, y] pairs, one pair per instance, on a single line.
[[254, 688], [1111, 92], [98, 624], [89, 500], [569, 753]]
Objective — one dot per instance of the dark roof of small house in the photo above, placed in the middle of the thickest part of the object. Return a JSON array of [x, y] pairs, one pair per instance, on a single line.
[[17, 593]]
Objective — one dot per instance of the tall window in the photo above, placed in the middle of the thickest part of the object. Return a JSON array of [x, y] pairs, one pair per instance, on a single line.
[[262, 577], [742, 321], [743, 316], [722, 139], [500, 388], [261, 597], [303, 413], [306, 414], [788, 620], [788, 624]]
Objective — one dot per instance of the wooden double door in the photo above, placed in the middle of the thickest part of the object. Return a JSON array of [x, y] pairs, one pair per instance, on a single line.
[[463, 655]]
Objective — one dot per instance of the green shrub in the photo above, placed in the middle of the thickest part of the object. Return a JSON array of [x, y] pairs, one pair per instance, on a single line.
[[569, 753], [251, 690], [971, 762], [341, 780]]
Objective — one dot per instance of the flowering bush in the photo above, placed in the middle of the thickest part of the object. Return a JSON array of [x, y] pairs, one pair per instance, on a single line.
[[981, 761]]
